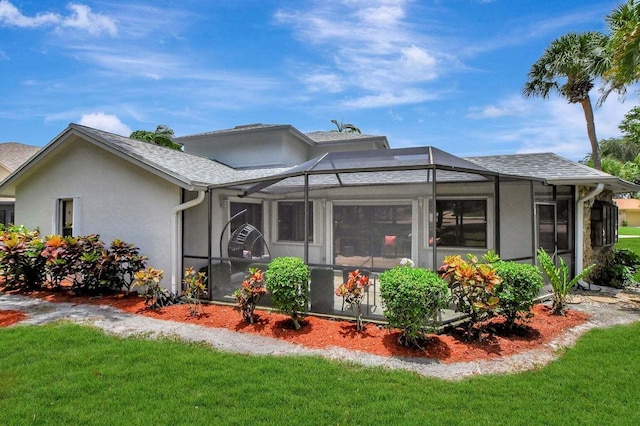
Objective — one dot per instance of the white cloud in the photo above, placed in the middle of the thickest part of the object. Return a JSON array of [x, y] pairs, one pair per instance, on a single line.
[[81, 17], [374, 48], [513, 105], [11, 16], [106, 122], [551, 125]]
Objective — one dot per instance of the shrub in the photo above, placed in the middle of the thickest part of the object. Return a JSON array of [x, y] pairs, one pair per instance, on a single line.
[[352, 292], [248, 296], [155, 295], [619, 271], [20, 262], [412, 298], [472, 286], [559, 279], [194, 290], [521, 284], [287, 280], [119, 265]]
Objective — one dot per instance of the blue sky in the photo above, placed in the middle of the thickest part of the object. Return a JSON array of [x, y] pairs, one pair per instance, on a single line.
[[447, 73]]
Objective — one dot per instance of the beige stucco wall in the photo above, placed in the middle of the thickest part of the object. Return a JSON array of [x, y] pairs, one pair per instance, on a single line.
[[112, 198]]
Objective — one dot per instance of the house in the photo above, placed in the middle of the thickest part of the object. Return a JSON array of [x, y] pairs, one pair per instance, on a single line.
[[245, 195], [12, 155], [628, 211]]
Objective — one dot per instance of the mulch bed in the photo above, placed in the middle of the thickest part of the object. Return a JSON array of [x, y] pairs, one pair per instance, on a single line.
[[325, 333]]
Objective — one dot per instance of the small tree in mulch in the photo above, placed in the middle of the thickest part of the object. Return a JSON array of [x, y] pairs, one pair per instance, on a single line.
[[352, 292], [248, 296], [559, 279], [473, 289], [194, 290], [287, 280]]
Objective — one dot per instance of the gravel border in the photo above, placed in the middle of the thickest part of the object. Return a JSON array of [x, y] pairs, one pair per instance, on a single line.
[[605, 310]]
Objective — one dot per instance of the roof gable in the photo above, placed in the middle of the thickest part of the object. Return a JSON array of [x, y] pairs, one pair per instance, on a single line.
[[13, 154]]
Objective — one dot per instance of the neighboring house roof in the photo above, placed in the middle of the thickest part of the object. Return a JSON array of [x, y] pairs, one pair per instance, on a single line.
[[627, 203], [13, 154], [552, 169]]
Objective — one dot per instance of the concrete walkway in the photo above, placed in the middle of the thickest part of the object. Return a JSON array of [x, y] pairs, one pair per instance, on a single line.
[[605, 309]]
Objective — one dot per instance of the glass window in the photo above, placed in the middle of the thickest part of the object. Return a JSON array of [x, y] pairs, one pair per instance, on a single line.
[[291, 221], [604, 224], [3, 217], [66, 217], [461, 223], [375, 236]]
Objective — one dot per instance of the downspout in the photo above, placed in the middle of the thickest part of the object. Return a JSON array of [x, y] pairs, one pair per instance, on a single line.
[[175, 236], [580, 225]]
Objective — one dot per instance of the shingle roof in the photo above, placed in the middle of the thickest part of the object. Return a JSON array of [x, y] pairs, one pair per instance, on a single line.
[[547, 166], [13, 154], [237, 129], [321, 136], [189, 168]]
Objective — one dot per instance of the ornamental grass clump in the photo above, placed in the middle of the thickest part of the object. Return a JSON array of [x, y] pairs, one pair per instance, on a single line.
[[413, 298], [352, 293], [521, 284], [473, 289], [559, 279], [248, 296], [287, 280]]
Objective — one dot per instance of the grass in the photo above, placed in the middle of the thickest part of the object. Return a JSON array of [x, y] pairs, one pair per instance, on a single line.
[[628, 230], [69, 374]]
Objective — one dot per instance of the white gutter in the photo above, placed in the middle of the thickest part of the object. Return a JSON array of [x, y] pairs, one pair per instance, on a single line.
[[580, 226], [176, 237]]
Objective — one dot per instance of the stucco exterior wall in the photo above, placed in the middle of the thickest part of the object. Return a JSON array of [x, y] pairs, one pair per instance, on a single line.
[[272, 147], [112, 198], [516, 220]]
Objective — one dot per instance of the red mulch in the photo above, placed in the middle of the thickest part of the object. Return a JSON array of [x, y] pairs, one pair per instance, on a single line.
[[322, 333], [8, 317]]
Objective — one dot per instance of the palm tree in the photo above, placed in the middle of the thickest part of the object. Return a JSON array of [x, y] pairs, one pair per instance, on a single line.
[[345, 127], [624, 23], [162, 136], [569, 66]]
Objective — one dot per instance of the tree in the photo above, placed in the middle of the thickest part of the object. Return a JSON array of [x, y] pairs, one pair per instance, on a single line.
[[345, 127], [569, 66], [624, 44], [162, 136]]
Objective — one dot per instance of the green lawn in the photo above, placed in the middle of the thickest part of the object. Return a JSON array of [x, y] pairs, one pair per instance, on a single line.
[[628, 230], [68, 374]]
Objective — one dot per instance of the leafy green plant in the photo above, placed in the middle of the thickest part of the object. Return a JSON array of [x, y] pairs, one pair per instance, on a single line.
[[559, 279], [20, 262], [248, 296], [412, 298], [352, 292], [287, 280], [119, 265], [619, 271], [194, 290], [473, 289], [155, 296], [521, 284]]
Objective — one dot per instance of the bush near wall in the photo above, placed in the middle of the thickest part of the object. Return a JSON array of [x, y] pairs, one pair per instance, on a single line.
[[30, 262]]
